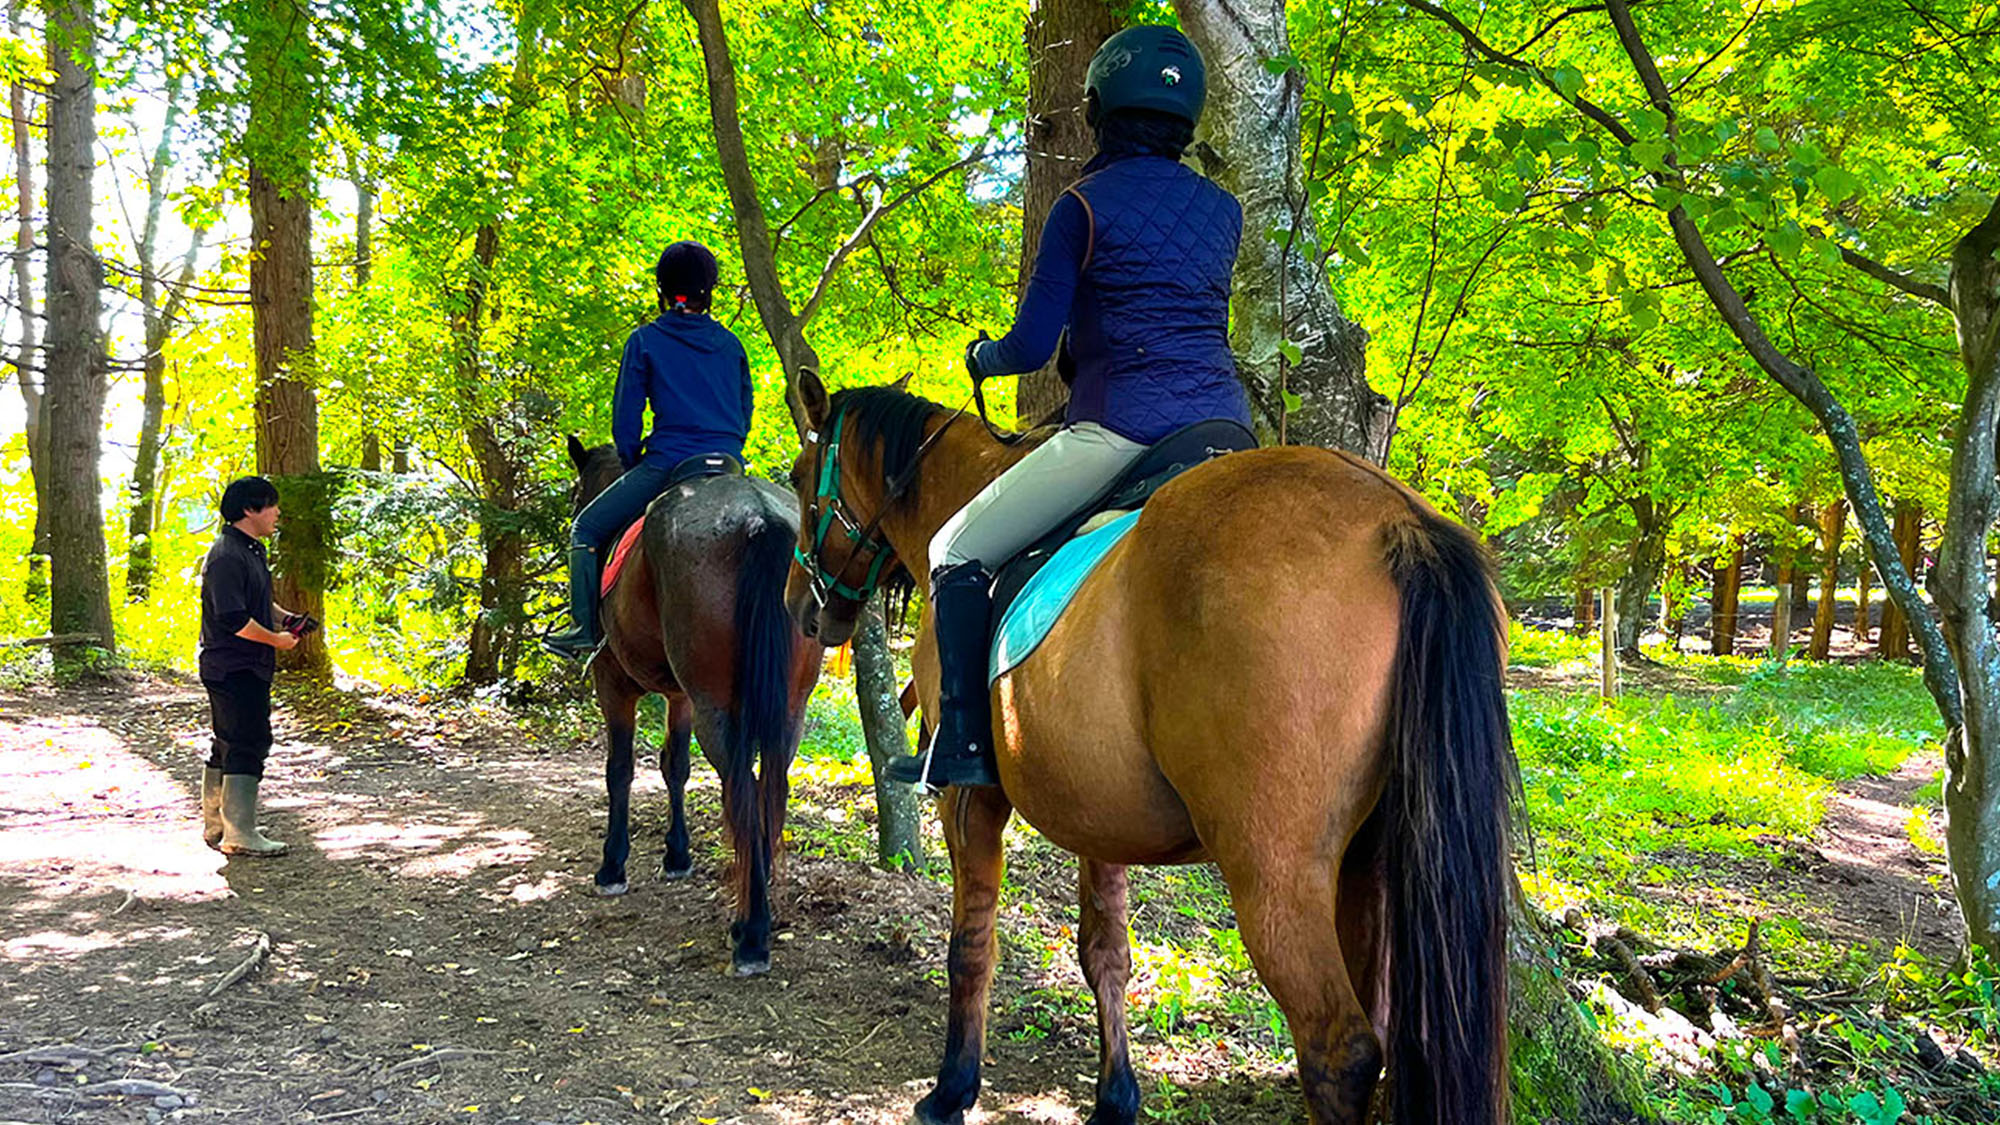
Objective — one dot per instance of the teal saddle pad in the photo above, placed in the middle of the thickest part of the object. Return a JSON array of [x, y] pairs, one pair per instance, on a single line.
[[1042, 601]]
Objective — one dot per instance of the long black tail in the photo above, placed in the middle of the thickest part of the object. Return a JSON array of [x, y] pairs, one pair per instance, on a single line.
[[1449, 804], [760, 721]]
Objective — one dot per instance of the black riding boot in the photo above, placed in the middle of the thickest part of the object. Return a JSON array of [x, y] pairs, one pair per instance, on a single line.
[[961, 750], [582, 638]]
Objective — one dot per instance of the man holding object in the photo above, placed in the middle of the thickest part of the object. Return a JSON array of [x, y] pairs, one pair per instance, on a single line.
[[239, 647]]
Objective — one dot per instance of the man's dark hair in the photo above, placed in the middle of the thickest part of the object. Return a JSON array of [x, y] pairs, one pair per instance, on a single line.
[[246, 495]]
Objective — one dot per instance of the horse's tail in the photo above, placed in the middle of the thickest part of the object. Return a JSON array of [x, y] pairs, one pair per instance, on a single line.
[[1449, 810], [760, 721]]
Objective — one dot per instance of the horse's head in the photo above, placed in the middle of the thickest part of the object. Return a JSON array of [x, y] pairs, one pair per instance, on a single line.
[[596, 469], [855, 476]]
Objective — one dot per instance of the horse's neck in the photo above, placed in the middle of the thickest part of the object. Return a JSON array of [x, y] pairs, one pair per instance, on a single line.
[[965, 460]]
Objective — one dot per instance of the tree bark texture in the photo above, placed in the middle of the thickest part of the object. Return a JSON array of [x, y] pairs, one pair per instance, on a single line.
[[28, 356], [1585, 612], [899, 832], [1728, 590], [1062, 35], [279, 140], [74, 374], [1895, 639], [1250, 144], [1863, 591], [1832, 528], [1645, 558], [1962, 587]]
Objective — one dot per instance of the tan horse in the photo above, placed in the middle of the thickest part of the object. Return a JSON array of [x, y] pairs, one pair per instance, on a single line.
[[1291, 667]]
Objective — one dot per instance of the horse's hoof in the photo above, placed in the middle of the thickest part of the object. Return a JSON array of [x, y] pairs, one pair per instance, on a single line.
[[611, 890], [755, 968], [921, 1116], [675, 874]]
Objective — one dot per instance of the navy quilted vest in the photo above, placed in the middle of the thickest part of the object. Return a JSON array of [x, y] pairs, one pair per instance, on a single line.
[[1149, 327]]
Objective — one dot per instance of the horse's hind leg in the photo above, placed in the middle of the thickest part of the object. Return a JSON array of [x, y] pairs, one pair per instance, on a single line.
[[973, 822], [1103, 948], [677, 862], [1285, 911], [618, 700]]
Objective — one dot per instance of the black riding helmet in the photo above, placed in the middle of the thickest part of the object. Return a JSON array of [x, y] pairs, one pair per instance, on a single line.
[[1146, 67], [686, 275]]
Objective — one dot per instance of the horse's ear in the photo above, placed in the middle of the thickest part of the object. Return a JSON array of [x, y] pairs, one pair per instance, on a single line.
[[578, 455], [903, 384], [812, 396]]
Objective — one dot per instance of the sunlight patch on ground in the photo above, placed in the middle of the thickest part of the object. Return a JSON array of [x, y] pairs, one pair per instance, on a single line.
[[104, 820]]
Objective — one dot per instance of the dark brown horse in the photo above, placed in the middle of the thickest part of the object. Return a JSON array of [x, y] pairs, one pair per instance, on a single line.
[[1291, 668], [698, 618]]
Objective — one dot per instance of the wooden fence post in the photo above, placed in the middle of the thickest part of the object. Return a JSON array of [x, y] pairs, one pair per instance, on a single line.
[[1607, 615]]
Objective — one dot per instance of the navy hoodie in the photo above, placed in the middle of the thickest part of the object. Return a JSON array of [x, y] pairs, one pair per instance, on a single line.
[[692, 373]]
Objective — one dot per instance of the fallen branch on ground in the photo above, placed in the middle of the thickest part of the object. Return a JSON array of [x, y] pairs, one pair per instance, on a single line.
[[118, 1087], [256, 958], [56, 639], [440, 1055], [66, 1054]]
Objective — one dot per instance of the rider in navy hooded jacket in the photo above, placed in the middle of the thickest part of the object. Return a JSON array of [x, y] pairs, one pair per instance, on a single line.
[[692, 374]]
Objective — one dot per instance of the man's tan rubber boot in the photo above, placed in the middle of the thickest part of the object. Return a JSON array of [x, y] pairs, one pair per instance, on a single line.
[[211, 808], [239, 819]]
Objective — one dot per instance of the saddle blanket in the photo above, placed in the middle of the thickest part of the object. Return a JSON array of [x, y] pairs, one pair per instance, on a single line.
[[616, 566], [1042, 601]]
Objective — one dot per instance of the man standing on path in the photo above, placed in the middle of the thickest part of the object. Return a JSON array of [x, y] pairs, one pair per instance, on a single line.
[[239, 653]]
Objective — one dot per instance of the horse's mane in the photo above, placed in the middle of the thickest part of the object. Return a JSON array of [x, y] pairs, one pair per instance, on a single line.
[[890, 415]]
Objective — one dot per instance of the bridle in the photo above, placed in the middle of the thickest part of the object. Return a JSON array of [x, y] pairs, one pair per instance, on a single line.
[[829, 506]]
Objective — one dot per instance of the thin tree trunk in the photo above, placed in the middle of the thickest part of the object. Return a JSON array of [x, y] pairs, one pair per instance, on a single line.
[[1062, 35], [1832, 528], [1585, 612], [279, 138], [1863, 629], [502, 586], [1728, 591], [1251, 145], [79, 587], [1781, 614], [1895, 638], [159, 324], [28, 357], [899, 833]]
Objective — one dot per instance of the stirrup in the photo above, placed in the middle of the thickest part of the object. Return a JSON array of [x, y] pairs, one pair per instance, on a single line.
[[572, 645]]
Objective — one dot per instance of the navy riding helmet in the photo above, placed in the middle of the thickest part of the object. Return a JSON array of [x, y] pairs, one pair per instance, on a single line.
[[686, 275], [1148, 67]]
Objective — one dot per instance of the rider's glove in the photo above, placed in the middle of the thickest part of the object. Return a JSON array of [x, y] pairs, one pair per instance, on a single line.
[[299, 624], [972, 349]]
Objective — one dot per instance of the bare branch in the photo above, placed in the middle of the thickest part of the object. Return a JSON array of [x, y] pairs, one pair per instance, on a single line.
[[1908, 283]]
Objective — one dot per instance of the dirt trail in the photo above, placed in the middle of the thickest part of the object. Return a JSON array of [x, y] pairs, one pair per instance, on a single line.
[[437, 903]]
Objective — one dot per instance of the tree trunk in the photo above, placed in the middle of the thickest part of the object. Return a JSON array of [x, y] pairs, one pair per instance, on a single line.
[[1723, 605], [1584, 615], [785, 328], [1062, 35], [1962, 586], [28, 358], [158, 322], [1895, 639], [1250, 145], [502, 582], [74, 376], [1781, 614], [1863, 629], [278, 139], [899, 833], [1832, 528], [1646, 557]]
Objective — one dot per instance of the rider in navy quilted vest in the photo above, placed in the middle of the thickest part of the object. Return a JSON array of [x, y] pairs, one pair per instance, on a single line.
[[692, 374], [1133, 273]]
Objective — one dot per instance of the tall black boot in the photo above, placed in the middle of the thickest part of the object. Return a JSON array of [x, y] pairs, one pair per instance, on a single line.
[[581, 639], [961, 750]]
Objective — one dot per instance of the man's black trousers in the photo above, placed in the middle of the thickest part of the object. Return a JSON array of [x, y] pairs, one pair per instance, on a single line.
[[239, 708]]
